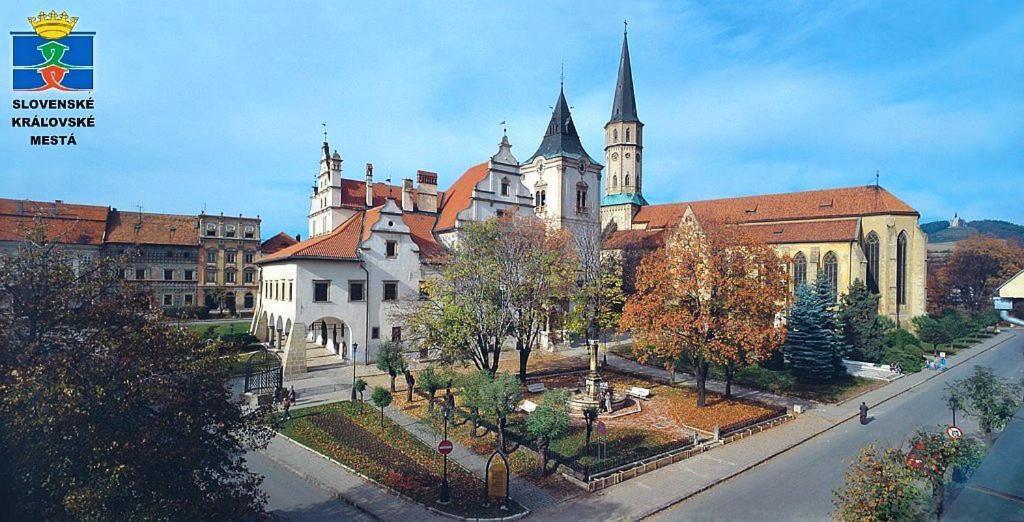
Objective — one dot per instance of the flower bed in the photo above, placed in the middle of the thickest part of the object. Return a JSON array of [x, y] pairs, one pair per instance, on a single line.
[[351, 434]]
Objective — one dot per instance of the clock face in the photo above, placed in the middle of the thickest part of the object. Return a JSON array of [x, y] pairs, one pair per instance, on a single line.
[[615, 156], [627, 155]]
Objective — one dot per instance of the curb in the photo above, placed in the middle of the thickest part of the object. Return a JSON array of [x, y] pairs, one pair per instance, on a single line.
[[664, 506], [526, 511]]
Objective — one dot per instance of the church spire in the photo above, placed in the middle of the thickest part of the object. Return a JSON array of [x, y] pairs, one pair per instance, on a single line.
[[561, 138], [624, 106]]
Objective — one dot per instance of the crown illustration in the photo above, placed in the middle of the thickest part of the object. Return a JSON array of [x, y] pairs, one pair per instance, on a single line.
[[53, 26]]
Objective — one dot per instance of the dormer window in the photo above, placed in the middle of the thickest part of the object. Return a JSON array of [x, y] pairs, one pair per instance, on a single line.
[[505, 186]]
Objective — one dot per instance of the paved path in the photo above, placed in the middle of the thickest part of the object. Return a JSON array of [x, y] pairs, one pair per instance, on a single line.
[[290, 497], [523, 491], [318, 473], [798, 484]]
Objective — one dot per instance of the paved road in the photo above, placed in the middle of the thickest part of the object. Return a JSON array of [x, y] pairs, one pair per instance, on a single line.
[[292, 498], [798, 484]]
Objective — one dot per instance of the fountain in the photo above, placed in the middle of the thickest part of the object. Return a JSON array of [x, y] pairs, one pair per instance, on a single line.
[[590, 396]]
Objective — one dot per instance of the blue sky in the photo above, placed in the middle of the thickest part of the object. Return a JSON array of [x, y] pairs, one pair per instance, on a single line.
[[220, 103]]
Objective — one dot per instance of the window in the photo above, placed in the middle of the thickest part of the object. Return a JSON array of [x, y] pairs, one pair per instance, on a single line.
[[581, 198], [901, 268], [290, 285], [249, 276], [499, 213], [320, 291], [168, 299], [355, 291], [140, 273], [168, 274], [229, 277], [390, 290], [247, 301], [229, 257], [615, 135], [625, 180], [871, 253], [541, 199], [396, 333], [249, 257], [505, 186], [211, 256], [627, 135], [375, 333], [229, 231], [830, 271], [391, 248], [615, 181], [250, 232], [211, 229], [799, 270], [211, 277], [188, 299]]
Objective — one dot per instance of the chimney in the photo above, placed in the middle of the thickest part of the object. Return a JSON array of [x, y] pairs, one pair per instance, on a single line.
[[298, 238], [369, 185], [426, 191], [407, 197]]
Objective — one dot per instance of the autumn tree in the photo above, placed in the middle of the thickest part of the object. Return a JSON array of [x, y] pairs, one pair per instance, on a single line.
[[710, 295], [977, 266], [987, 397], [597, 297], [878, 486], [536, 268], [934, 456], [390, 359], [110, 413]]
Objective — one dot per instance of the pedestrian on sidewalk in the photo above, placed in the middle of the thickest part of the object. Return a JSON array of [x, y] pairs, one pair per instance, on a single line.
[[863, 413], [291, 394], [287, 405]]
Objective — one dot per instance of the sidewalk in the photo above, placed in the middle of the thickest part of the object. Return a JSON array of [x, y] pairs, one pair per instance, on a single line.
[[351, 488], [522, 490]]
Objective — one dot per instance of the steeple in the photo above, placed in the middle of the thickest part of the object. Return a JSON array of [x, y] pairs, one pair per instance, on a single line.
[[624, 106], [561, 138]]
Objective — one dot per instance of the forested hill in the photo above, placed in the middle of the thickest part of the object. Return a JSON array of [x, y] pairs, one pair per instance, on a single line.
[[940, 231]]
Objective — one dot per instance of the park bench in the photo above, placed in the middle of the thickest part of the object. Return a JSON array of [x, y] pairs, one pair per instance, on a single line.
[[640, 393], [528, 406], [535, 387]]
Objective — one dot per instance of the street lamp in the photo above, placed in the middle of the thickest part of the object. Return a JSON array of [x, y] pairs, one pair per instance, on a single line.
[[355, 346], [445, 497], [953, 403]]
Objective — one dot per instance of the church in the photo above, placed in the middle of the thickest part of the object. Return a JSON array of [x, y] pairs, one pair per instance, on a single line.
[[371, 244]]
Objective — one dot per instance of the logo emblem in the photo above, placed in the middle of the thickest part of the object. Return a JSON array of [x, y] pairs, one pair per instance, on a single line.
[[52, 57]]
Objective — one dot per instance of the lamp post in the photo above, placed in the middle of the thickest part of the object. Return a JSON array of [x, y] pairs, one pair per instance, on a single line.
[[953, 402], [445, 496], [355, 346]]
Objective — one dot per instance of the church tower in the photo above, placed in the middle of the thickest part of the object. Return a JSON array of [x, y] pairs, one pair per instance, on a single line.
[[564, 179], [623, 149], [325, 211]]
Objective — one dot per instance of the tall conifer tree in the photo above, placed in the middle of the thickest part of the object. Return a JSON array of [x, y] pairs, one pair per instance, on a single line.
[[812, 342]]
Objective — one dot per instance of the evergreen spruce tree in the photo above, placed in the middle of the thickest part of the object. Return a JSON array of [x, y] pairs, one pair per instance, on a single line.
[[863, 333], [812, 342]]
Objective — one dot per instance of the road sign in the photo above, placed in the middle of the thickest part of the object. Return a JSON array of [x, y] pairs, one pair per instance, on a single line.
[[444, 447], [601, 428], [954, 432]]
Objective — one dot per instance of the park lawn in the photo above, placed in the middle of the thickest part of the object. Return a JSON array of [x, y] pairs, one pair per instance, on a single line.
[[236, 363], [220, 328], [351, 433], [657, 428]]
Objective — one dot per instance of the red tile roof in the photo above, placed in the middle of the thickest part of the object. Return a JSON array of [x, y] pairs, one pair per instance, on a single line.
[[635, 239], [279, 241], [831, 231], [340, 243], [815, 204], [62, 222], [353, 193], [421, 228], [152, 229], [459, 196]]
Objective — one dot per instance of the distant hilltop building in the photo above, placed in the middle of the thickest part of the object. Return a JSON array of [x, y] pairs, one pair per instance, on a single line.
[[956, 221]]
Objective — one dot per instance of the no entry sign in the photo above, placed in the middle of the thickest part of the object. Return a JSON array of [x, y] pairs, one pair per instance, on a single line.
[[954, 432], [444, 447]]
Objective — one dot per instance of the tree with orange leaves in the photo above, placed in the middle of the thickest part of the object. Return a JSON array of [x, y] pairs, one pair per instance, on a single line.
[[709, 296], [977, 266]]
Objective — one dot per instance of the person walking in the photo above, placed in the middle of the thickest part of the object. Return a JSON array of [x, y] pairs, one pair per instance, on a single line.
[[291, 394], [863, 413], [287, 405]]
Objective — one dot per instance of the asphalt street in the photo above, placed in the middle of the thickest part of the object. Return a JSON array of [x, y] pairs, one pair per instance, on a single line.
[[798, 484], [293, 498]]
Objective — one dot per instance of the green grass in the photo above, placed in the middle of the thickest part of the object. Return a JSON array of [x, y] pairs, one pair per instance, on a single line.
[[221, 328], [236, 363]]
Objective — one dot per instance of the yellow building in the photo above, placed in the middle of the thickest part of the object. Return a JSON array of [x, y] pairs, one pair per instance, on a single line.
[[844, 234]]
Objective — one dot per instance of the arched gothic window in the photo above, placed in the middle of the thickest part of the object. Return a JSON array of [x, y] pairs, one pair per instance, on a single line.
[[627, 135], [615, 181], [625, 181], [830, 271], [799, 270], [871, 253], [615, 135], [901, 268]]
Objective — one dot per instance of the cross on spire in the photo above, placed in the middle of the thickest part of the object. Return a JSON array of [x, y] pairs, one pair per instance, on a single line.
[[625, 26], [325, 131], [562, 80]]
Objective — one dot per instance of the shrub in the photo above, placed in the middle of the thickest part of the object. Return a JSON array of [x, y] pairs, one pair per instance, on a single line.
[[899, 337], [765, 379], [908, 356], [187, 312], [237, 341]]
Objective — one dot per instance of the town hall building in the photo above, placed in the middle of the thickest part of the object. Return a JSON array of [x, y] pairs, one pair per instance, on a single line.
[[371, 244]]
